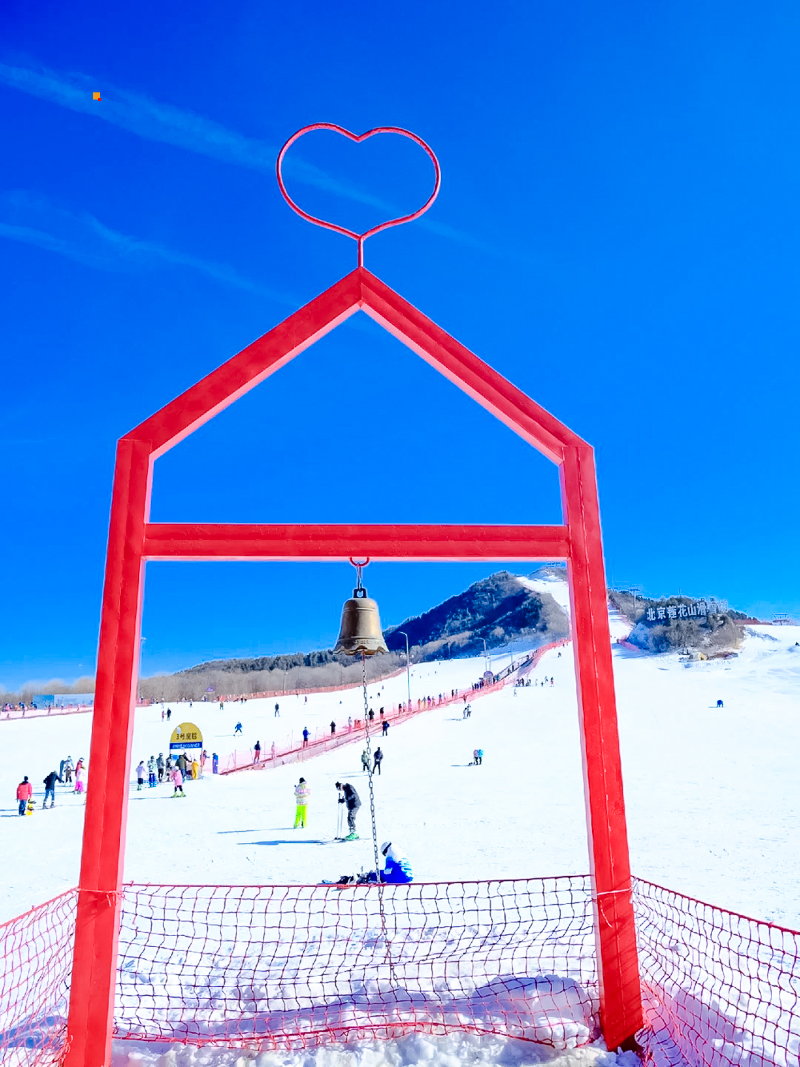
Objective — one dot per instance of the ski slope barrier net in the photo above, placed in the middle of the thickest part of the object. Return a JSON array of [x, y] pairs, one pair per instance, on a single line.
[[36, 954], [286, 967], [719, 990]]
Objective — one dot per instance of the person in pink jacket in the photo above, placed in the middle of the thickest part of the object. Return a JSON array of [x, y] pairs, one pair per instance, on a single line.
[[177, 781], [24, 794]]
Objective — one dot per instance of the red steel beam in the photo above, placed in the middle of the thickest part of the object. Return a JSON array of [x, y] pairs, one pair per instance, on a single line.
[[211, 541]]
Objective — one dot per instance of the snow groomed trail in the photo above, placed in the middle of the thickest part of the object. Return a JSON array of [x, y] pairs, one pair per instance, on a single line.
[[711, 802]]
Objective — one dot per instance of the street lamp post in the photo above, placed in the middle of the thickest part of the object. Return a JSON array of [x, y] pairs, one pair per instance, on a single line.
[[485, 655], [141, 657], [408, 667]]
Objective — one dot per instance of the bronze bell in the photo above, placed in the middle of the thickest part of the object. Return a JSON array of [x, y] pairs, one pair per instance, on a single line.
[[360, 631]]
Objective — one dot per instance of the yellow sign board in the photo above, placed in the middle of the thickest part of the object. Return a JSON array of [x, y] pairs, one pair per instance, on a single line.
[[185, 736]]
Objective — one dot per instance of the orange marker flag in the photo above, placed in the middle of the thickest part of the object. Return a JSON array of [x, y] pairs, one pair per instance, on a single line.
[[95, 96]]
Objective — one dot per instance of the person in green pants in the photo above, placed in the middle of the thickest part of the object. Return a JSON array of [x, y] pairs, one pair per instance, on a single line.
[[301, 795]]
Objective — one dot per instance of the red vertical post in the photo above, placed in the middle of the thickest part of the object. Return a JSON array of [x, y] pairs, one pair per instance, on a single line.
[[615, 928], [91, 1008]]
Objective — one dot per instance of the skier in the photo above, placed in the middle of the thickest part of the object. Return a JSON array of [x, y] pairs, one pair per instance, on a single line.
[[80, 775], [256, 752], [277, 714], [348, 796], [365, 760], [237, 729], [214, 763], [177, 781], [160, 766], [50, 788], [371, 714], [301, 795], [720, 704], [333, 728], [305, 737], [169, 714], [195, 770], [385, 728], [349, 722], [163, 713], [68, 769], [480, 757], [475, 756], [140, 775], [151, 772], [24, 794], [203, 758], [378, 761], [397, 869], [272, 751]]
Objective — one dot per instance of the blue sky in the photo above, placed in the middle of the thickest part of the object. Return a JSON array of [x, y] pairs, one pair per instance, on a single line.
[[616, 233]]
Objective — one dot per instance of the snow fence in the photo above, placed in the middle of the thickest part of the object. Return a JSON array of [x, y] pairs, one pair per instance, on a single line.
[[295, 967], [35, 971]]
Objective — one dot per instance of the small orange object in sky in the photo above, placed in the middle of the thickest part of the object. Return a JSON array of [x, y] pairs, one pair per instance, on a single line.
[[95, 96]]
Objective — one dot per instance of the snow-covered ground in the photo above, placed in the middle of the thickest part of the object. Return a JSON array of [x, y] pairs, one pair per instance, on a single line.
[[712, 801], [712, 795]]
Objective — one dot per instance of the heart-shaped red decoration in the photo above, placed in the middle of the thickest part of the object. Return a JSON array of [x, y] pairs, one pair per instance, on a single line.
[[359, 237]]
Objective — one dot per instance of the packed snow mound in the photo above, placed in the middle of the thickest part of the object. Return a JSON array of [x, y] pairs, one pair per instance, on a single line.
[[413, 1050]]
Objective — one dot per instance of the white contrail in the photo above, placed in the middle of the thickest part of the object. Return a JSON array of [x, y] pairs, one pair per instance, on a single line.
[[171, 125], [84, 239], [155, 121]]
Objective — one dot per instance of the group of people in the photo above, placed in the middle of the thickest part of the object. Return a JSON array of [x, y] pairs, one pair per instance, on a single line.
[[67, 769], [377, 760], [176, 771]]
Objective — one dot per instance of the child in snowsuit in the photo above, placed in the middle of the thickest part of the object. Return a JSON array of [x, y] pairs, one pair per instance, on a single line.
[[301, 795], [151, 772], [365, 760], [80, 775], [177, 781], [68, 769], [140, 776], [397, 869]]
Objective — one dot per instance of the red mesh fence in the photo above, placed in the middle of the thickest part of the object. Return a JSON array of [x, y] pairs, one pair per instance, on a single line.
[[720, 990], [36, 955], [280, 967]]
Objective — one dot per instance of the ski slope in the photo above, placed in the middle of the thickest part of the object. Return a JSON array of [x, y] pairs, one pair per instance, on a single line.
[[711, 800]]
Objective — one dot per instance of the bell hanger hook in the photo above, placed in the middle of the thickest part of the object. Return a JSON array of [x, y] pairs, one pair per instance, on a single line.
[[359, 591]]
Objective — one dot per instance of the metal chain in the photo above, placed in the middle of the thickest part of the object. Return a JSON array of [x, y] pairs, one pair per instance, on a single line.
[[384, 930], [369, 765]]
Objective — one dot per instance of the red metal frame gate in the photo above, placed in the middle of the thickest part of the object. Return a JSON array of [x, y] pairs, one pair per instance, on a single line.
[[133, 540]]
